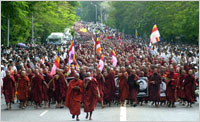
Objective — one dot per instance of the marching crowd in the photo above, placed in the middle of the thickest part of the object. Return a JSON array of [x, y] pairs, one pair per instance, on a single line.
[[25, 74]]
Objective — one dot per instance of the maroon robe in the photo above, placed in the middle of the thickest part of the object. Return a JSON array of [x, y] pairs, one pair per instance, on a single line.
[[123, 87], [36, 88], [100, 81], [9, 89], [74, 96], [90, 96], [154, 94], [180, 90], [29, 92], [189, 88], [133, 87], [60, 88], [109, 87], [23, 88], [16, 76], [171, 87], [49, 92]]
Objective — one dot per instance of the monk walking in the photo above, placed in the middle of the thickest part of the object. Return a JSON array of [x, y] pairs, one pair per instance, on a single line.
[[74, 96], [101, 81], [90, 95], [172, 79], [109, 89], [133, 88], [155, 81], [9, 89], [48, 92], [36, 88], [181, 93], [123, 86], [22, 89], [60, 88], [189, 88]]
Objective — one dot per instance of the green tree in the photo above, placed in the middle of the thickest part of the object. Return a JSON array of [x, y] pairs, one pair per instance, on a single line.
[[173, 18], [49, 16]]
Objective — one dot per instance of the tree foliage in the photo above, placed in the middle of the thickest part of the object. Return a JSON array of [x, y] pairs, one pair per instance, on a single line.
[[48, 16], [172, 18], [88, 10]]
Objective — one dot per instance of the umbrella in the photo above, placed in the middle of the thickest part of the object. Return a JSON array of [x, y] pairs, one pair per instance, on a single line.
[[22, 45]]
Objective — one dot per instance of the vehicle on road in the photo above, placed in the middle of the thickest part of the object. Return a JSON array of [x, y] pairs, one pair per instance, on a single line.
[[56, 38]]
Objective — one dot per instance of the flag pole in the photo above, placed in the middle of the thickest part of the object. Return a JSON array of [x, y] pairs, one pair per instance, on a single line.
[[95, 46]]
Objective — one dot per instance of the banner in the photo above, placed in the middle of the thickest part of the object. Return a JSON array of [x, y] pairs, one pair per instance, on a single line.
[[69, 78], [116, 84], [143, 87], [163, 89]]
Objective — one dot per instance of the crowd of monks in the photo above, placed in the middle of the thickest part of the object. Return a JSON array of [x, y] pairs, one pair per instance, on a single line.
[[28, 79]]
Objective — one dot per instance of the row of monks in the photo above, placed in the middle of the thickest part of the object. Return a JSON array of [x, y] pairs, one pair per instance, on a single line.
[[89, 88]]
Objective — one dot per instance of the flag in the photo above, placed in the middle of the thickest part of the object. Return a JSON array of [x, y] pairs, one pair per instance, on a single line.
[[71, 51], [98, 46], [101, 63], [75, 62], [42, 60], [150, 46], [55, 65], [155, 35], [94, 43], [114, 58]]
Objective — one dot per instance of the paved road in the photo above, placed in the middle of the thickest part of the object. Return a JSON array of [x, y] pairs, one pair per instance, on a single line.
[[114, 113]]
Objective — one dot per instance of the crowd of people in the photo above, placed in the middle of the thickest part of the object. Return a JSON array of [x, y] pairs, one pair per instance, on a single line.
[[25, 74]]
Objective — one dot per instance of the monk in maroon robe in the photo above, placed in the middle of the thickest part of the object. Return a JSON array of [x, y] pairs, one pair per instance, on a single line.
[[109, 90], [60, 88], [133, 88], [101, 80], [180, 92], [48, 92], [74, 96], [9, 89], [123, 86], [189, 88], [30, 76], [36, 88], [22, 89], [172, 79], [155, 81], [16, 75], [90, 95]]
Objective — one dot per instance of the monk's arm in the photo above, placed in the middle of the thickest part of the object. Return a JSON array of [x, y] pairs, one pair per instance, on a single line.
[[45, 83], [98, 91], [103, 78], [51, 80]]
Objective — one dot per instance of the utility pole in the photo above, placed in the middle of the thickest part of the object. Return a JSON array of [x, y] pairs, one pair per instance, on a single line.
[[101, 15], [32, 30], [8, 32], [96, 12]]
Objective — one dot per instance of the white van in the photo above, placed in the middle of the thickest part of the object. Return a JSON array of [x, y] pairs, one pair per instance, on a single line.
[[56, 38]]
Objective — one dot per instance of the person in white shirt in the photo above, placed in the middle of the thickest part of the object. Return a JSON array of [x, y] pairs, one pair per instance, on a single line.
[[3, 74]]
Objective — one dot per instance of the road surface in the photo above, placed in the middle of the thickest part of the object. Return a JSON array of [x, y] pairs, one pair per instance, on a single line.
[[113, 113]]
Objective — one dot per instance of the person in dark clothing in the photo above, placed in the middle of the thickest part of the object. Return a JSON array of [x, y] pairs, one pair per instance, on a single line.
[[133, 87]]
